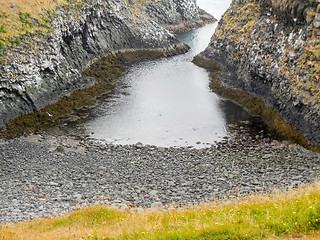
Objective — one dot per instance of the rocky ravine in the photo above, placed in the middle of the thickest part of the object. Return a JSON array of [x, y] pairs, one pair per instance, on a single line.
[[43, 68], [271, 49]]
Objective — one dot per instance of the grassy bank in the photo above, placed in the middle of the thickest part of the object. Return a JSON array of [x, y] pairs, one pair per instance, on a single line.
[[18, 18], [284, 215]]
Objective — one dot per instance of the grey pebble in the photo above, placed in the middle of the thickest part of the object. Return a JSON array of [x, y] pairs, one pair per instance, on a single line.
[[156, 206], [37, 182]]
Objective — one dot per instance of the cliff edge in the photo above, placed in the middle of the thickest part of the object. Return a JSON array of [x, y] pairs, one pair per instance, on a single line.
[[39, 67], [271, 49]]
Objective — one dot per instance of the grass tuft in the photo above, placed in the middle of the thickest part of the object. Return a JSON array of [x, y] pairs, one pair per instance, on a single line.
[[21, 16]]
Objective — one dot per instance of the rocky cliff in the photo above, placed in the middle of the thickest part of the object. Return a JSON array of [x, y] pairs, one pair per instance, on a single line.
[[44, 67], [271, 49], [176, 15]]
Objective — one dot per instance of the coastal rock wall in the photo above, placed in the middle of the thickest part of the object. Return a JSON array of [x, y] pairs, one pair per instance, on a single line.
[[47, 66], [271, 49], [176, 15], [171, 12]]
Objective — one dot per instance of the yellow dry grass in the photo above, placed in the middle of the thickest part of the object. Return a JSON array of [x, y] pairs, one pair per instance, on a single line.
[[10, 9], [100, 222]]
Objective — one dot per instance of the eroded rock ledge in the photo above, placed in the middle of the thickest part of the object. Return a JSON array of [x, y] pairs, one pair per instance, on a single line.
[[271, 50], [46, 67]]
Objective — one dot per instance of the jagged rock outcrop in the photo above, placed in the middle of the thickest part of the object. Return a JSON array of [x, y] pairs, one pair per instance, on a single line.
[[271, 49], [45, 67], [176, 15]]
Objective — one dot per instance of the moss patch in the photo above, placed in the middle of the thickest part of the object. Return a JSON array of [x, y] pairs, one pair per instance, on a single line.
[[254, 105]]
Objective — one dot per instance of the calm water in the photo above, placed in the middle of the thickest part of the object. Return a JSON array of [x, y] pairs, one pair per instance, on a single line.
[[167, 102]]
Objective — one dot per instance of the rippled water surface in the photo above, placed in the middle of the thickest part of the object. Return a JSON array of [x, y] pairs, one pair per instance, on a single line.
[[167, 102]]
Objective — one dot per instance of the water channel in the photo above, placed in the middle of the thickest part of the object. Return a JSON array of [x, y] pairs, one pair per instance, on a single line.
[[167, 102]]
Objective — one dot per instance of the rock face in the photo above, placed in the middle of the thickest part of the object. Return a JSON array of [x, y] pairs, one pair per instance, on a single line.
[[271, 49], [171, 12], [45, 67], [176, 15]]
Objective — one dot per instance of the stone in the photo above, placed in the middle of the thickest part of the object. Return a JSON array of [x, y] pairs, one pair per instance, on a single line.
[[171, 183], [292, 55], [119, 206], [78, 197], [316, 24], [60, 149], [267, 156], [156, 206], [54, 184], [139, 145], [153, 192], [161, 149], [139, 210]]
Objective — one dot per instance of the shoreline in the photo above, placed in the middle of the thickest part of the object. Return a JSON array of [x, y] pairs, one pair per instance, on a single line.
[[41, 68], [253, 104], [105, 71], [102, 72]]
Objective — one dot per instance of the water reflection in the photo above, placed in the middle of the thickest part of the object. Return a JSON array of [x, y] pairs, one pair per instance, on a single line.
[[166, 102]]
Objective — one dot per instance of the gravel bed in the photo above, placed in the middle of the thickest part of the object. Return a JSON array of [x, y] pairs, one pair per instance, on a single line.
[[46, 175]]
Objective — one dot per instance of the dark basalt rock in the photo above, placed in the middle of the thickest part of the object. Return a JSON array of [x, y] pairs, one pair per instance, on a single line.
[[271, 52], [44, 68]]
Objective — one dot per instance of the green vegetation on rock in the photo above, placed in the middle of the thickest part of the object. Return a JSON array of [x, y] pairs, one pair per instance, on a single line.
[[105, 71], [271, 48], [254, 105]]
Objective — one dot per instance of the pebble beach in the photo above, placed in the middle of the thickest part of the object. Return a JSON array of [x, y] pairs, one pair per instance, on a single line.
[[45, 175]]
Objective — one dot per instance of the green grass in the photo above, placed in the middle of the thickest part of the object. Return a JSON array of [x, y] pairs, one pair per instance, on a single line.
[[294, 213]]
